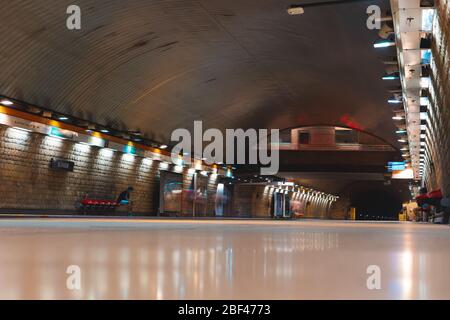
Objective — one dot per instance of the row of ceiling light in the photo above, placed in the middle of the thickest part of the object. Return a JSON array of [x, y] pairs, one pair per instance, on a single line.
[[408, 31]]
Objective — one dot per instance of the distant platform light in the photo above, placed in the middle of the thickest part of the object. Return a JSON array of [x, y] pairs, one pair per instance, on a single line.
[[390, 78], [424, 82], [400, 131], [104, 130], [295, 10], [394, 101], [383, 44], [398, 118], [6, 102], [402, 140], [163, 146], [63, 118]]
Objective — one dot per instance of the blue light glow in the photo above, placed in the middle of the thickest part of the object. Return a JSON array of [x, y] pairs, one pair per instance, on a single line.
[[384, 44], [55, 132], [129, 150]]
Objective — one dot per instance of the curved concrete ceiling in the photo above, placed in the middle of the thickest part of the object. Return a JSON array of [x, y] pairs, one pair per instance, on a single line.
[[160, 65]]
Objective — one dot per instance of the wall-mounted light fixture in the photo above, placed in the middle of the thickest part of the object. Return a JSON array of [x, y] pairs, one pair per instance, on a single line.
[[6, 102], [390, 77], [383, 44]]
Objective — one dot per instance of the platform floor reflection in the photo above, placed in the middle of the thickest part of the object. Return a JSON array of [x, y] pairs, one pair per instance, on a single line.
[[174, 259]]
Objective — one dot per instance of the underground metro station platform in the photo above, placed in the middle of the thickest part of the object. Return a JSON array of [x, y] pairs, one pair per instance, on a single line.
[[225, 150]]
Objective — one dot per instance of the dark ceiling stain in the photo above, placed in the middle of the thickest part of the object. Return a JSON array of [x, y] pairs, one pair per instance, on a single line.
[[140, 44], [111, 34], [38, 32], [275, 70], [166, 45]]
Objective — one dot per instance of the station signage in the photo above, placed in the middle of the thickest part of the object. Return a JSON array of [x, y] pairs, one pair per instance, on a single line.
[[62, 165], [61, 133]]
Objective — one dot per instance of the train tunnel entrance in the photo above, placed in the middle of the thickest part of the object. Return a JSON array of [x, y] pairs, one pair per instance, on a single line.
[[375, 204]]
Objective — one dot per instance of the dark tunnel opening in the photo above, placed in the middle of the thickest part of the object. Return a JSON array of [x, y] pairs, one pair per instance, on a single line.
[[376, 204]]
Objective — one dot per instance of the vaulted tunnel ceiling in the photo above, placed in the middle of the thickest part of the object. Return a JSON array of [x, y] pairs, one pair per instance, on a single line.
[[160, 65]]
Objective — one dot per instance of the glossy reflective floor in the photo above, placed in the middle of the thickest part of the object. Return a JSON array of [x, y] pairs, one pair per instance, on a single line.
[[167, 259]]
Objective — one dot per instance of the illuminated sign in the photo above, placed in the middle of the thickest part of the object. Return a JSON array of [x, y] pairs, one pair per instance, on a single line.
[[286, 184], [403, 174], [396, 166], [129, 149], [60, 133]]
